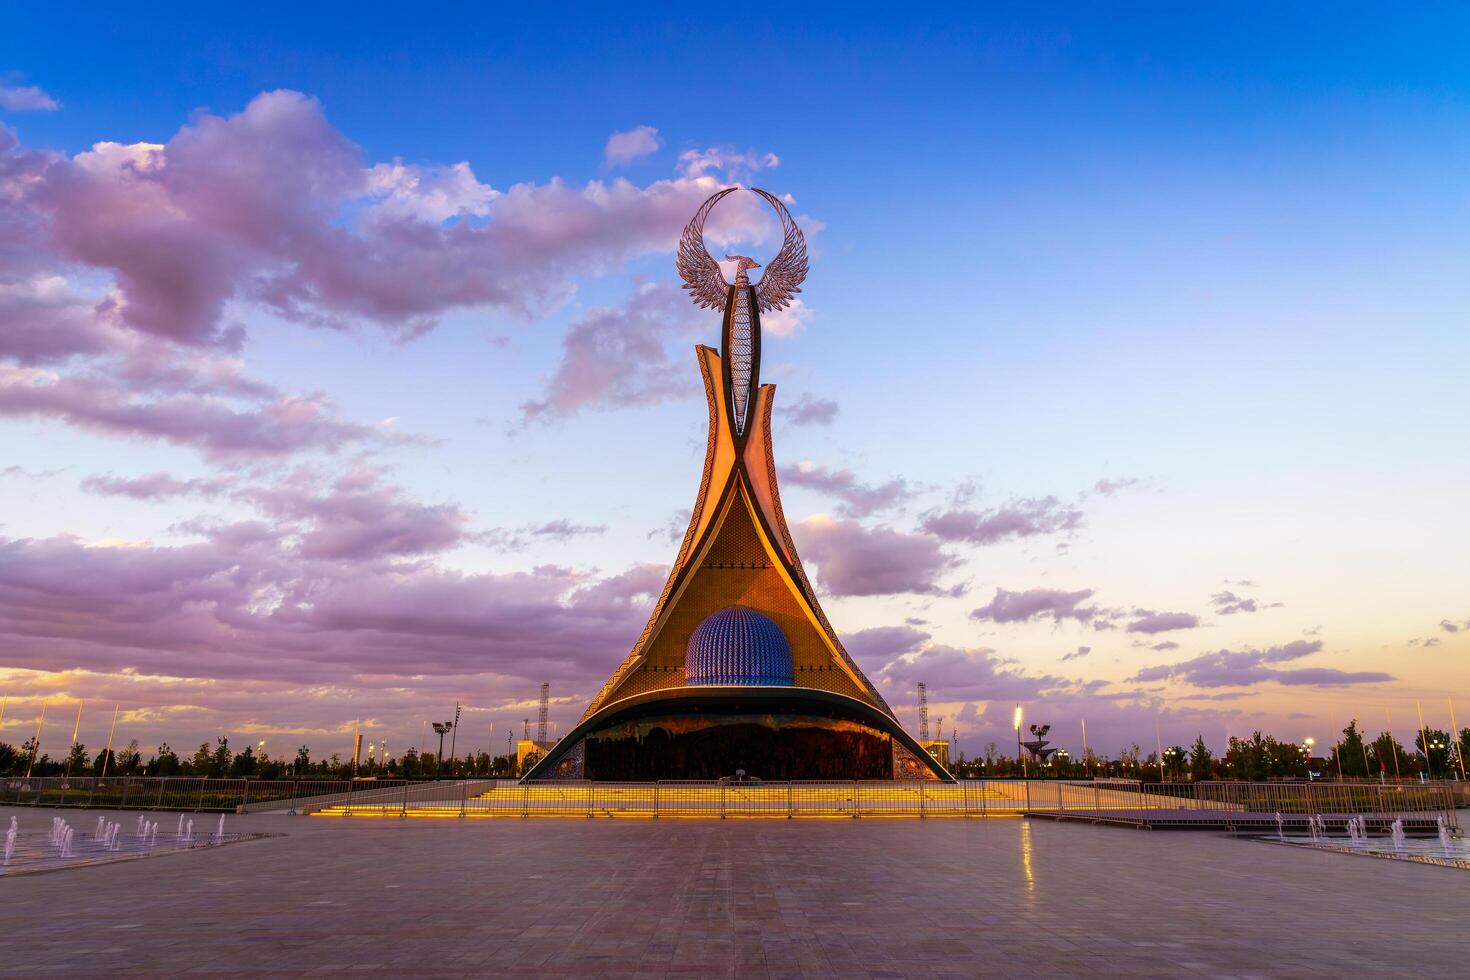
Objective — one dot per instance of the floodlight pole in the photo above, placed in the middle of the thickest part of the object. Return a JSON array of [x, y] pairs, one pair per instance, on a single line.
[[441, 728], [453, 738]]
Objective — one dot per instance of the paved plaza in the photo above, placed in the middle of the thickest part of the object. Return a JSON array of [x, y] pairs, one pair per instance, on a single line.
[[698, 898]]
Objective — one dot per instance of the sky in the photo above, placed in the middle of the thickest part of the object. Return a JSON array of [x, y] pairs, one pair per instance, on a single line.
[[345, 374]]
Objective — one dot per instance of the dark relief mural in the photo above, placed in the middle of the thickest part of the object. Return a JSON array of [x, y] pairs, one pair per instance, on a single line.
[[774, 747]]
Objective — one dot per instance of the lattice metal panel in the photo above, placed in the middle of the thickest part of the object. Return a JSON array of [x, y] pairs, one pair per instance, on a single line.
[[741, 353]]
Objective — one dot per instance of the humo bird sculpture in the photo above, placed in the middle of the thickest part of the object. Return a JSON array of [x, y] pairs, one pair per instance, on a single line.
[[741, 302]]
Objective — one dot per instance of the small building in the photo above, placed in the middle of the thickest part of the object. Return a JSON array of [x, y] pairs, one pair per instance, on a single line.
[[529, 748], [939, 749]]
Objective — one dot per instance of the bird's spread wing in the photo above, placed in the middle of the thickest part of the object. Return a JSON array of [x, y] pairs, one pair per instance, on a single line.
[[700, 272], [784, 274]]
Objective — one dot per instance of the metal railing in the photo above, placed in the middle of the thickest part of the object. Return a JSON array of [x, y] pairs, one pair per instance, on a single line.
[[717, 799], [183, 792], [1316, 798], [965, 798]]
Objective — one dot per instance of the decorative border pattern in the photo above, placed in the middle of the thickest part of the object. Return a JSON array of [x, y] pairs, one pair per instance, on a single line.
[[907, 766], [573, 764]]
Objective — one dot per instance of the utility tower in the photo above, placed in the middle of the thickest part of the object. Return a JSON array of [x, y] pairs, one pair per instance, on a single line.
[[541, 721], [526, 729], [923, 712]]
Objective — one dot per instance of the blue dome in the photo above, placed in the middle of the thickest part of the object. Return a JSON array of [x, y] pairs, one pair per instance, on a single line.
[[739, 647]]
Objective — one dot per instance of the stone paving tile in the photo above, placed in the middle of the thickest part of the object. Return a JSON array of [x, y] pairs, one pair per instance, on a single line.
[[881, 899]]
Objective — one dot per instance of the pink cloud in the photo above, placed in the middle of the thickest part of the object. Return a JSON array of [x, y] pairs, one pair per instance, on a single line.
[[565, 530], [698, 163], [1018, 519], [1108, 488], [1022, 607], [273, 204], [809, 410], [857, 499], [875, 647], [631, 144], [26, 98], [1228, 603], [217, 427], [1235, 668], [44, 322], [241, 605], [854, 560], [952, 673], [976, 689], [616, 357], [153, 486], [360, 518], [1149, 621]]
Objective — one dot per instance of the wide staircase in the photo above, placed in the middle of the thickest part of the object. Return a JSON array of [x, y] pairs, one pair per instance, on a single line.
[[703, 799]]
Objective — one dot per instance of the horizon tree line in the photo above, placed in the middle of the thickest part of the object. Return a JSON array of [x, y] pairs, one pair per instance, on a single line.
[[1258, 757]]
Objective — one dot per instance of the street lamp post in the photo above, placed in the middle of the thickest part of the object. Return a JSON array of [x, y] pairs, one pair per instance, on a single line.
[[1437, 745], [441, 728], [454, 725], [1307, 744]]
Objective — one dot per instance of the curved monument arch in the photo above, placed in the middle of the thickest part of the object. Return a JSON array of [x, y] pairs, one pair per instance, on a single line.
[[830, 721]]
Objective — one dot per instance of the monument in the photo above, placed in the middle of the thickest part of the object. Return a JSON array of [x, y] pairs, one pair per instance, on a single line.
[[738, 673]]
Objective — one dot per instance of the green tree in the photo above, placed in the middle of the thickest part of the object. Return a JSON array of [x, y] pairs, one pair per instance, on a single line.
[[107, 757], [199, 762], [1128, 766], [1238, 763], [1174, 759], [1389, 758], [243, 763], [8, 757], [166, 761], [1436, 751], [1349, 756], [129, 759], [1201, 763], [76, 759], [1284, 759], [267, 767], [303, 761], [29, 761], [219, 762]]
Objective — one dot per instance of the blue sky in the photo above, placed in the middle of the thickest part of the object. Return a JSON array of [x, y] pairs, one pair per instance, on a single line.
[[1216, 259]]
